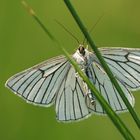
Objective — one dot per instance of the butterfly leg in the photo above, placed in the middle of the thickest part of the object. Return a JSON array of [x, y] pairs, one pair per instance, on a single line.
[[89, 95]]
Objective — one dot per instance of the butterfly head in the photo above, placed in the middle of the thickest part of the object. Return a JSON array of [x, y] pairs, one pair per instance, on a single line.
[[81, 49]]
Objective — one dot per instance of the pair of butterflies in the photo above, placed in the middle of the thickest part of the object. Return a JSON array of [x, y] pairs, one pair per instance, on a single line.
[[55, 81]]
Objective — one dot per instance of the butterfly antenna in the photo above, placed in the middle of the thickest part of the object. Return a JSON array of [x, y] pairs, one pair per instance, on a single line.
[[93, 27], [67, 31]]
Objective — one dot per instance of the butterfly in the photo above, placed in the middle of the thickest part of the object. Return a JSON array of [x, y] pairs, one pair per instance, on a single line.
[[55, 82]]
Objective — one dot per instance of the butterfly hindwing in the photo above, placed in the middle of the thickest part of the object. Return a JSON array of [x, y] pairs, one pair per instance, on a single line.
[[108, 91], [70, 101], [125, 64]]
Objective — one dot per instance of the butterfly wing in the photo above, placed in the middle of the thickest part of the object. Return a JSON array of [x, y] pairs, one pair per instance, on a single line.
[[125, 64], [70, 101], [102, 82], [53, 81], [40, 84]]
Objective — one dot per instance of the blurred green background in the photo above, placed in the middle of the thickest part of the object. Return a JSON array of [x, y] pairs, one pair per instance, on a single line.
[[24, 44]]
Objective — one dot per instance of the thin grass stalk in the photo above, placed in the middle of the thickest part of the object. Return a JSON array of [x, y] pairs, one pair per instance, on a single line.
[[102, 61]]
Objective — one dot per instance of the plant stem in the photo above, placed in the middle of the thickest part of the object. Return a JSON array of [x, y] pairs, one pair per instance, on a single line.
[[102, 61]]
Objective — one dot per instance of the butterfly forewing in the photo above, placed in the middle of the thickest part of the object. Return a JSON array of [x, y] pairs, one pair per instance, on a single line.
[[125, 64], [40, 83]]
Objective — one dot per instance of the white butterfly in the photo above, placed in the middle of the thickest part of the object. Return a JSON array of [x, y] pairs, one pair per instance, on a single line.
[[55, 81]]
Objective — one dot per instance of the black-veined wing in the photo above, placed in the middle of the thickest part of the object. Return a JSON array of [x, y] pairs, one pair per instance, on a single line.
[[102, 82], [125, 64], [70, 101], [39, 84], [53, 81]]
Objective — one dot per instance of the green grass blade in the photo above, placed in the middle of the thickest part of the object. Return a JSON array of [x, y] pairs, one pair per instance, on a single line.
[[102, 61], [112, 115]]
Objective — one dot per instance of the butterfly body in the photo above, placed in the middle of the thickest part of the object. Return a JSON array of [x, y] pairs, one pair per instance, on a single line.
[[55, 82], [84, 59]]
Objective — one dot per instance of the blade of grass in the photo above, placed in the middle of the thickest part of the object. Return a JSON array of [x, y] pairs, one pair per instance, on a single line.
[[102, 61], [113, 116]]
